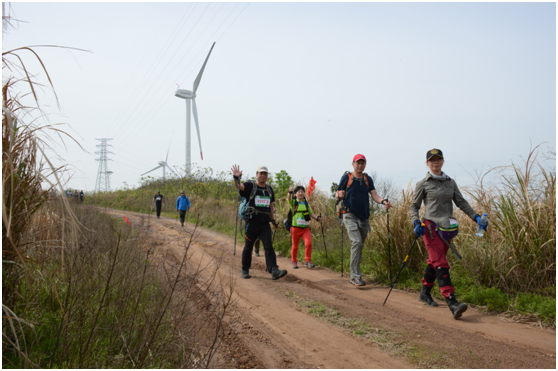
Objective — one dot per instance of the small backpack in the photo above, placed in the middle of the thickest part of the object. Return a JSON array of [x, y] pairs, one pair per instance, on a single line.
[[340, 208], [289, 221], [245, 211]]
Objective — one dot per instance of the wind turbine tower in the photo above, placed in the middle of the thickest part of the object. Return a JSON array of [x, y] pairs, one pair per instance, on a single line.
[[190, 97]]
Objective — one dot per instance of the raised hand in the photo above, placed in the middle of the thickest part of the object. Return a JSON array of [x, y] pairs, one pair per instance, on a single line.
[[237, 173]]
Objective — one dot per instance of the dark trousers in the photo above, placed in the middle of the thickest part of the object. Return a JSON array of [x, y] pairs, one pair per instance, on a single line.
[[182, 214], [257, 243], [158, 208], [252, 232]]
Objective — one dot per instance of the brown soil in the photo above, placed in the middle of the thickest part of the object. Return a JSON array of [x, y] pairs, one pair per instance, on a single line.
[[272, 327]]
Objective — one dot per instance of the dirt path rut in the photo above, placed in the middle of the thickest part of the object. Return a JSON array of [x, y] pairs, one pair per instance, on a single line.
[[313, 318]]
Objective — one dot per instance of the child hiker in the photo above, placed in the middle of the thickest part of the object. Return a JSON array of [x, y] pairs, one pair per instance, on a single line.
[[302, 213]]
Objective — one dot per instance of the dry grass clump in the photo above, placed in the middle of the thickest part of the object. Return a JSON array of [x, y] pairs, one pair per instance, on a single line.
[[519, 251]]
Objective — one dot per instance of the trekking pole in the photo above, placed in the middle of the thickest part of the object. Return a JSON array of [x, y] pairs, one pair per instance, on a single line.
[[236, 221], [323, 236], [342, 246], [389, 243], [402, 266], [274, 234]]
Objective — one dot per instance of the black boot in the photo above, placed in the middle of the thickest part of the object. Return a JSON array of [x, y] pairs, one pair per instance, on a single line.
[[276, 273], [246, 274], [425, 296], [457, 309]]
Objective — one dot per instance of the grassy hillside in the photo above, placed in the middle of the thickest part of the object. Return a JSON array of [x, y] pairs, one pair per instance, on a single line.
[[512, 268]]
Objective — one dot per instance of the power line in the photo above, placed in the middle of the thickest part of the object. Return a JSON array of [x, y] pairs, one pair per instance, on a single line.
[[157, 60], [189, 72], [130, 119], [124, 92]]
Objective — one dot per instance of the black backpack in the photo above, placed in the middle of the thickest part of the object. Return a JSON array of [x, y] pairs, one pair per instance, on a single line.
[[289, 221]]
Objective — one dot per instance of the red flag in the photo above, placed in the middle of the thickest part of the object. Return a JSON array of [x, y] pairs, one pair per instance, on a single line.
[[127, 221], [311, 186]]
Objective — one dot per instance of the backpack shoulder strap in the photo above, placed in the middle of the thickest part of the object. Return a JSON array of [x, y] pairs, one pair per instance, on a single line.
[[350, 181], [253, 193], [366, 179]]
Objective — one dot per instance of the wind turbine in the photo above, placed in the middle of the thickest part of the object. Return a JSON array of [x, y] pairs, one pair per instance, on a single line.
[[164, 165], [190, 97]]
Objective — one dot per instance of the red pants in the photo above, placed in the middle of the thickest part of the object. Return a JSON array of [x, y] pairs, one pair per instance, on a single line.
[[437, 250], [296, 234]]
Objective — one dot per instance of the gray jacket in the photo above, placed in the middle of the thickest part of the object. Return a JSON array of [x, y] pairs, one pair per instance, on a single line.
[[438, 196]]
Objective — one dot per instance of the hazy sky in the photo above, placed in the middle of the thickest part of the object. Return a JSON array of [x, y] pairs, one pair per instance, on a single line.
[[300, 87]]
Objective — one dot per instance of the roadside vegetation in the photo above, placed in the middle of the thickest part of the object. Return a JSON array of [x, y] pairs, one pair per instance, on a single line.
[[511, 269], [79, 288]]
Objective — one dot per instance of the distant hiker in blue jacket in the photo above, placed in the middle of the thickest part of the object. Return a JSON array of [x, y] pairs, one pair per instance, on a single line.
[[182, 205]]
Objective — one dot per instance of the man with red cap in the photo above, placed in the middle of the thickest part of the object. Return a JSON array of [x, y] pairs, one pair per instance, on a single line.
[[355, 189]]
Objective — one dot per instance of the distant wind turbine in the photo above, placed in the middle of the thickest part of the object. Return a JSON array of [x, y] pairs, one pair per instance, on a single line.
[[163, 164], [190, 96]]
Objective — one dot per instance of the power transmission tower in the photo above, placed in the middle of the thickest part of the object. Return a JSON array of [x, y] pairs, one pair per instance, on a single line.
[[103, 175]]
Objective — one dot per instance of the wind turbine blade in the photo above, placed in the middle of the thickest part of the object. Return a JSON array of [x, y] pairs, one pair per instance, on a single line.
[[151, 170], [168, 167], [195, 111], [166, 159], [198, 79]]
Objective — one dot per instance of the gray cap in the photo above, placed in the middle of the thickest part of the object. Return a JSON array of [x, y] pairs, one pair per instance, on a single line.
[[181, 192]]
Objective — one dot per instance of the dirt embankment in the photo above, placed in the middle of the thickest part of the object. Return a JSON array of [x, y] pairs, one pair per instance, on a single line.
[[313, 318]]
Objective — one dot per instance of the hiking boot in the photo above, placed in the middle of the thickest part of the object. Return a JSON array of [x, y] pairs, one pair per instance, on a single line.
[[309, 264], [425, 296], [257, 253], [276, 273], [457, 309], [358, 282], [295, 265], [245, 274]]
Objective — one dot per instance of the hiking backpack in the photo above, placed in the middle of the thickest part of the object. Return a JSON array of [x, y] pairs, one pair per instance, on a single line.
[[340, 208]]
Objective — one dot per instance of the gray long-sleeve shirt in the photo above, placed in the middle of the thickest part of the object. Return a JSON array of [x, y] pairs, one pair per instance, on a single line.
[[437, 195]]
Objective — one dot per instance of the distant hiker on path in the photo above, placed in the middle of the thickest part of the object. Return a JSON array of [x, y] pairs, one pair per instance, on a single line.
[[354, 189], [259, 214], [302, 213], [158, 201], [76, 196], [182, 205], [438, 191], [81, 195]]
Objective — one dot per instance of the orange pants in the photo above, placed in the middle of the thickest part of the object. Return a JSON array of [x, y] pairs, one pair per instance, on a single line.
[[296, 234]]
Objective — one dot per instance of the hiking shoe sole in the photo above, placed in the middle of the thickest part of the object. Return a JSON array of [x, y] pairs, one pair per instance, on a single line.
[[358, 284], [460, 310]]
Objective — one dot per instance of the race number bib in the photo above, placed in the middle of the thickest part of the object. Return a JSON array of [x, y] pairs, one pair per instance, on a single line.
[[158, 198], [262, 201], [453, 223], [302, 222]]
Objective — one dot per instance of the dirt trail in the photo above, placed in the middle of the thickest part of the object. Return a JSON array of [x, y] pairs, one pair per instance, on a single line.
[[277, 331]]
